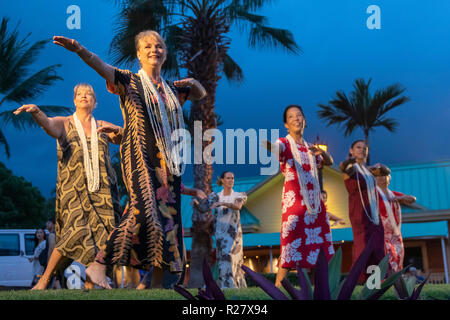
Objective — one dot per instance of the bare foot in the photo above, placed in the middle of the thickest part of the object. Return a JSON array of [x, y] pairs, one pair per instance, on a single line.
[[278, 285], [42, 284], [96, 273], [141, 286], [88, 285]]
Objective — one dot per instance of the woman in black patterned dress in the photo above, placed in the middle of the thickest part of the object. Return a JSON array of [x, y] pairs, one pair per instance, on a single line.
[[150, 231]]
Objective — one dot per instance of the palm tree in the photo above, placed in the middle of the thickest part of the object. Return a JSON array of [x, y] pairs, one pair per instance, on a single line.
[[17, 86], [361, 109], [196, 34]]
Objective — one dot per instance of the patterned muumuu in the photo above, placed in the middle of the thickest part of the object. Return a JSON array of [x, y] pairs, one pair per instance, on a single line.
[[83, 219], [150, 230]]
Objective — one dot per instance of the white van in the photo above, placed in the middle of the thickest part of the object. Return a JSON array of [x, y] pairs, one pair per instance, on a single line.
[[16, 246]]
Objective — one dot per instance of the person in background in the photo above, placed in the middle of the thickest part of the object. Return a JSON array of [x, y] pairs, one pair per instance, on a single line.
[[391, 215], [363, 205], [39, 246], [331, 216], [55, 282], [228, 233]]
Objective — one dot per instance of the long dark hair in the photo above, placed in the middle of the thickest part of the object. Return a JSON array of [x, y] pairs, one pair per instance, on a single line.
[[36, 240], [219, 178]]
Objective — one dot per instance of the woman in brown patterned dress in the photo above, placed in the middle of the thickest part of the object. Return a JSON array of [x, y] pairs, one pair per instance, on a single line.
[[150, 231], [87, 198]]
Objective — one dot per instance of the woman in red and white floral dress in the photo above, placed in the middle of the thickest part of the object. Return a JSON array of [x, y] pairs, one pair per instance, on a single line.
[[305, 229], [391, 215]]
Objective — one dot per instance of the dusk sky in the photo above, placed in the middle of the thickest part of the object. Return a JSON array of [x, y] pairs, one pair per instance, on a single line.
[[411, 49]]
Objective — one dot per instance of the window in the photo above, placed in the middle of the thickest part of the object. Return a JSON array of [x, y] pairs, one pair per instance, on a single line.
[[9, 245], [29, 244]]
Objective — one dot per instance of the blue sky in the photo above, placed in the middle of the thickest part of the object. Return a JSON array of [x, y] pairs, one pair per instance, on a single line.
[[411, 48]]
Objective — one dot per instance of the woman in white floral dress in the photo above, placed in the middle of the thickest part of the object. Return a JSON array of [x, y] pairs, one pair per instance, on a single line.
[[304, 225], [228, 232]]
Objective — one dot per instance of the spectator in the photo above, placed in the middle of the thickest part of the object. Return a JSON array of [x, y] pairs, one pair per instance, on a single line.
[[39, 246]]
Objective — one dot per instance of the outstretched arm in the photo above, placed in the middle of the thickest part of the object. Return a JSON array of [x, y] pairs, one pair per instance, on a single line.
[[197, 91], [194, 192], [53, 126], [91, 59]]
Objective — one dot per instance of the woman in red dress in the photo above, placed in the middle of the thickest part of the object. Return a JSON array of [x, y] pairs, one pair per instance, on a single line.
[[391, 215], [305, 229], [363, 205]]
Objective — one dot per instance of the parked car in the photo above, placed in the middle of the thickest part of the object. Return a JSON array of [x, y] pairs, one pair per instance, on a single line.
[[16, 246]]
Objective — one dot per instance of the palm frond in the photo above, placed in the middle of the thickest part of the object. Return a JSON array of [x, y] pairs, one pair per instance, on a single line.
[[238, 15], [389, 123], [4, 143], [232, 70], [34, 85], [25, 120], [266, 37], [134, 17], [251, 5], [18, 72], [394, 104]]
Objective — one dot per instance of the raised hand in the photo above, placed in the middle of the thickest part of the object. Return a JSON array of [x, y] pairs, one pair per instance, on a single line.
[[30, 108], [69, 44], [344, 166], [215, 205], [315, 150]]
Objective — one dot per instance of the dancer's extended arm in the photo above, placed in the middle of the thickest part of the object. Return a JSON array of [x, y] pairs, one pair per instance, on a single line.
[[197, 91], [53, 126], [91, 59]]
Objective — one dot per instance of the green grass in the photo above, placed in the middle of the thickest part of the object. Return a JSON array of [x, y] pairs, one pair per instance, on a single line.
[[432, 291]]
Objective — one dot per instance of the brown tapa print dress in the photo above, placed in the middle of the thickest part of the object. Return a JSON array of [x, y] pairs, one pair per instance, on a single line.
[[83, 219], [150, 230]]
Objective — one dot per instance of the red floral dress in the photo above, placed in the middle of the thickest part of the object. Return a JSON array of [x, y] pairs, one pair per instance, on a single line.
[[302, 234], [393, 243]]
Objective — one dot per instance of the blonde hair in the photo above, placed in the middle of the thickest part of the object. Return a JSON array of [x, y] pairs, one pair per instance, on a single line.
[[149, 33], [85, 85]]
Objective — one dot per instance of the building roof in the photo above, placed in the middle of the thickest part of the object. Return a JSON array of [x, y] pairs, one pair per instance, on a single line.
[[428, 182], [409, 231]]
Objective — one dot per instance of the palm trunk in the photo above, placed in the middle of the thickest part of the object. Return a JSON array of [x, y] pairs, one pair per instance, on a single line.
[[205, 51], [366, 139]]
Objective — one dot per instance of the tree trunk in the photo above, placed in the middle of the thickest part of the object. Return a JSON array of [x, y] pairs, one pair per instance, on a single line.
[[366, 139], [205, 50]]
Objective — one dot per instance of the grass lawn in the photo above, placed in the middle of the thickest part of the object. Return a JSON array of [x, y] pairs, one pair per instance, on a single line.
[[429, 292]]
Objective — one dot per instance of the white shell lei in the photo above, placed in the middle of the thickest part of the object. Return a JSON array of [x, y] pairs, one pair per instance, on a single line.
[[311, 198], [91, 166], [371, 193], [166, 121]]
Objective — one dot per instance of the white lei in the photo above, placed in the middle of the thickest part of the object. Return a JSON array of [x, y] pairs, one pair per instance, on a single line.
[[311, 198], [91, 166], [166, 122], [389, 211], [371, 193]]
